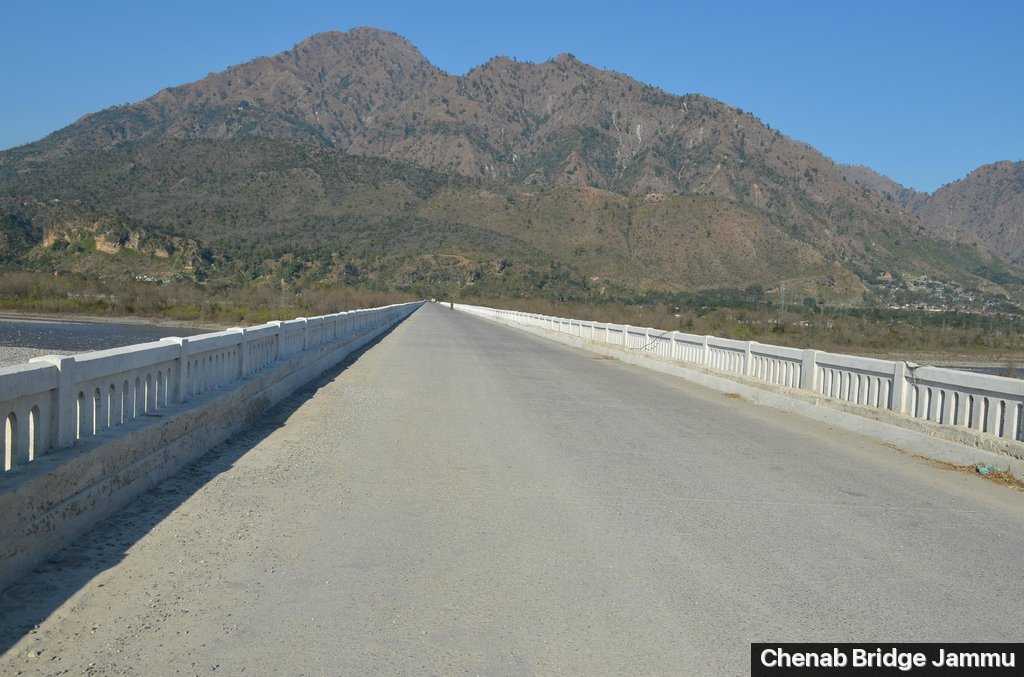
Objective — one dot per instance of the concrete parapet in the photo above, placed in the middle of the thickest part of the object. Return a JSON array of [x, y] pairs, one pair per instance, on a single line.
[[87, 433], [939, 413]]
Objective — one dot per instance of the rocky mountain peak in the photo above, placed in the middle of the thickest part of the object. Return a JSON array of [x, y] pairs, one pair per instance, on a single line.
[[562, 122]]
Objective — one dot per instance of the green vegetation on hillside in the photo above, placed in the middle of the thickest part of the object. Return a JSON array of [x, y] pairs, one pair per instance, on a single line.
[[265, 211], [74, 294]]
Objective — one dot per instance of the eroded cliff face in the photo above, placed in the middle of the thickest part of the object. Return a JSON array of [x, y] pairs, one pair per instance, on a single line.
[[69, 238], [109, 237]]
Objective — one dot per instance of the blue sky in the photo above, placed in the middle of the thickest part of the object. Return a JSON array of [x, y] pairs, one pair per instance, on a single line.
[[922, 91]]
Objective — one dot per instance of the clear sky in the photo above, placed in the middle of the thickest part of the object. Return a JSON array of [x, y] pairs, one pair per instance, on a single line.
[[921, 91]]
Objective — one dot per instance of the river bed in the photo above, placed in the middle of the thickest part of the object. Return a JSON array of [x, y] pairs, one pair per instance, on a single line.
[[23, 339]]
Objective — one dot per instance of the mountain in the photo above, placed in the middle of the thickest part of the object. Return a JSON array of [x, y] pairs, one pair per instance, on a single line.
[[986, 205], [562, 122], [907, 198], [370, 220], [351, 152]]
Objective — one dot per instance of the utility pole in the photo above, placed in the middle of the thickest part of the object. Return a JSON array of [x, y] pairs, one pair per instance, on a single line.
[[782, 307]]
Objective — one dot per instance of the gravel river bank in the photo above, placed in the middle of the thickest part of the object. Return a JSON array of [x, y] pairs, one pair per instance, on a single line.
[[22, 339]]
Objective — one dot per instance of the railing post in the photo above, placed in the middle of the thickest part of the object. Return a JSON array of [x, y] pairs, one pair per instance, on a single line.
[[65, 408], [705, 355], [809, 370], [178, 372], [305, 333], [748, 360], [899, 387], [277, 339], [243, 353]]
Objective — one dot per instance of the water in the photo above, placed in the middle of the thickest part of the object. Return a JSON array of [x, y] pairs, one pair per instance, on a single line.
[[1017, 371], [22, 339]]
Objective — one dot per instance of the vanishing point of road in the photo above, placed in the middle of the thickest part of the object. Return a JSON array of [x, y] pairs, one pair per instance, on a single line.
[[465, 498]]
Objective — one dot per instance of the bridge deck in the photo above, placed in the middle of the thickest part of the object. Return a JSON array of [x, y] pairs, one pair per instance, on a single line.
[[469, 498]]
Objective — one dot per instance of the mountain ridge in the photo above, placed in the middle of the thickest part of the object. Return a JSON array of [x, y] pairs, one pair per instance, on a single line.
[[559, 127], [986, 206]]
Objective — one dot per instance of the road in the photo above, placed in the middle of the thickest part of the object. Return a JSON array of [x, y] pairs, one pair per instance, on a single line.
[[465, 498]]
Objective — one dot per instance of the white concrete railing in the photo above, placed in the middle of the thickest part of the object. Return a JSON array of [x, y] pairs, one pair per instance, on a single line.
[[949, 397], [55, 402]]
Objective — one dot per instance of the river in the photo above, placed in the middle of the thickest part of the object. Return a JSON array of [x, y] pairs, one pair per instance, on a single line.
[[21, 339]]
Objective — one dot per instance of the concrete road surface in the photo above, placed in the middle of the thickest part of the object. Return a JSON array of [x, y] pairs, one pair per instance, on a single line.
[[467, 499]]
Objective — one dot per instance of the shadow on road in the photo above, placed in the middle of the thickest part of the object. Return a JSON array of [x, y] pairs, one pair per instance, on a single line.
[[27, 603]]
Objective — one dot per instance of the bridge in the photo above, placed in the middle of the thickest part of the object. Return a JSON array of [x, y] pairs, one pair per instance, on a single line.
[[452, 495]]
